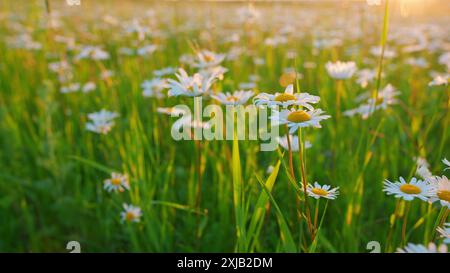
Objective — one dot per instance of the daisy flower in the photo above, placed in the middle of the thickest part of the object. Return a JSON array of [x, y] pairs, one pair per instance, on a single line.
[[294, 143], [365, 76], [341, 70], [386, 97], [236, 98], [206, 58], [296, 119], [101, 122], [131, 213], [317, 191], [88, 87], [377, 50], [117, 183], [286, 99], [92, 52], [442, 190], [418, 248], [190, 86], [439, 80], [408, 191], [445, 232], [154, 87]]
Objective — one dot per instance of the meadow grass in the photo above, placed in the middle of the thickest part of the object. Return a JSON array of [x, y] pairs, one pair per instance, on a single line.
[[52, 169]]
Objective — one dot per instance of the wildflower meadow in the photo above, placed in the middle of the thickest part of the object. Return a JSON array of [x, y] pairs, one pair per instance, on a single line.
[[224, 126]]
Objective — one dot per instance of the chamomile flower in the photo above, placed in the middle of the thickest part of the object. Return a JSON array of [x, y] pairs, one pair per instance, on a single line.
[[92, 52], [101, 122], [408, 191], [283, 141], [445, 232], [88, 87], [388, 53], [117, 183], [439, 80], [190, 86], [365, 76], [296, 119], [131, 213], [442, 190], [317, 191], [154, 87], [419, 248], [341, 70], [236, 98], [286, 99], [386, 97], [206, 58]]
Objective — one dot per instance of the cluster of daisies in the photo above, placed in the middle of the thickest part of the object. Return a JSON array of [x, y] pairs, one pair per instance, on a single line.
[[430, 188], [119, 183]]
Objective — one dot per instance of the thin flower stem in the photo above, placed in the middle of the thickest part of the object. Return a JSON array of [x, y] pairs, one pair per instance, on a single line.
[[405, 221], [47, 6], [384, 34], [442, 218], [391, 228], [316, 215], [305, 183], [291, 163]]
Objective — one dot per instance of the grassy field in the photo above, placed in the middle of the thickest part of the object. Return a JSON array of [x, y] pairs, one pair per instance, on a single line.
[[60, 63]]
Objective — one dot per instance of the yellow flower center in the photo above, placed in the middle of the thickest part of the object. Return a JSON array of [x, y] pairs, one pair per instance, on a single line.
[[116, 181], [232, 99], [444, 195], [379, 101], [298, 116], [410, 189], [208, 58], [319, 192], [129, 216], [283, 97]]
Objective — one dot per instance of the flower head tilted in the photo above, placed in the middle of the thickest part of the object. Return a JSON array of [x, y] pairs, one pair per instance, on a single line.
[[418, 248], [101, 122], [296, 119], [341, 70], [317, 191], [408, 191], [235, 98], [190, 86], [207, 59], [117, 183], [131, 213], [288, 98]]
